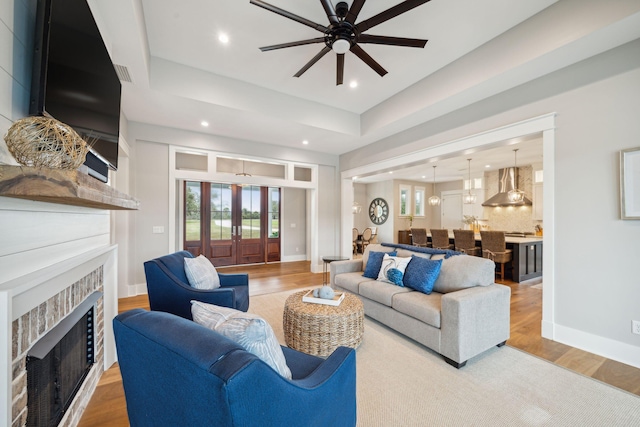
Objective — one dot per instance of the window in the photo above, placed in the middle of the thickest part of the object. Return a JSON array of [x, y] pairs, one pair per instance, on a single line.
[[405, 200], [419, 201], [250, 212], [274, 212]]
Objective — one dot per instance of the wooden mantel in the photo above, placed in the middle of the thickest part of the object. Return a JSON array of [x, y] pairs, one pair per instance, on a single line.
[[62, 186]]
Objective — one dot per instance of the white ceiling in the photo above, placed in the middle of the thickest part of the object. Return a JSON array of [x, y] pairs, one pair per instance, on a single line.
[[181, 74]]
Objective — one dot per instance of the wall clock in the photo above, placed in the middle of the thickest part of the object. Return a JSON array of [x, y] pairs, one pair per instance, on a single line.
[[378, 211]]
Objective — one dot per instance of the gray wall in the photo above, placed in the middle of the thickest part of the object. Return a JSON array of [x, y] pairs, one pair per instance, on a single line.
[[597, 103], [294, 223]]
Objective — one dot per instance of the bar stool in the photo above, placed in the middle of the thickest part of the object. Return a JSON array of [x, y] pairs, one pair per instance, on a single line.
[[494, 248], [465, 241], [419, 237], [440, 239]]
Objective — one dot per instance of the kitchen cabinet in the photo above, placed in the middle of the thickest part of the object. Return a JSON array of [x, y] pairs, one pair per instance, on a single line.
[[527, 260], [404, 237]]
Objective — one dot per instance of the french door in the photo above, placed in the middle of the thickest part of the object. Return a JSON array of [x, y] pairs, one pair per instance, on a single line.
[[232, 224]]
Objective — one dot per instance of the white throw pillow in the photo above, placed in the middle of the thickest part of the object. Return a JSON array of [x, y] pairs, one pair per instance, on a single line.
[[249, 330], [392, 262], [201, 273]]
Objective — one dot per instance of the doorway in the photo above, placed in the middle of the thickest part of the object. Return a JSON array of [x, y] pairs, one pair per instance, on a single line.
[[451, 210], [232, 224]]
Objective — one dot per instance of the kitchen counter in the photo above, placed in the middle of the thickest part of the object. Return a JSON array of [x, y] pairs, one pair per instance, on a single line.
[[527, 255]]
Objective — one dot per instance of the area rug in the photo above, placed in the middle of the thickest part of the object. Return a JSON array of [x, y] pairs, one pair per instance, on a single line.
[[402, 383]]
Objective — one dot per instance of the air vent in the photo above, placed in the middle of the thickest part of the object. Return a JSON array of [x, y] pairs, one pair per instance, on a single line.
[[123, 73]]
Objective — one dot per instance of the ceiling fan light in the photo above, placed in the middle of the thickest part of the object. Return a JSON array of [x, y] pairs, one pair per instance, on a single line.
[[341, 46]]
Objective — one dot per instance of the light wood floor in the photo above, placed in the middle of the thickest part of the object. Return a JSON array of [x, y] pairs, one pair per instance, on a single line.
[[108, 408]]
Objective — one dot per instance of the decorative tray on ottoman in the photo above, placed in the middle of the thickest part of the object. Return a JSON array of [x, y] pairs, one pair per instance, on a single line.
[[337, 299]]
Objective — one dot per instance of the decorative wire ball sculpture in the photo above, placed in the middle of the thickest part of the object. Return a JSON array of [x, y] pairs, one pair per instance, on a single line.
[[44, 142]]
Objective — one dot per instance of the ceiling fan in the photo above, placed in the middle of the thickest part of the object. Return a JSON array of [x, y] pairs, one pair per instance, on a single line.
[[343, 34]]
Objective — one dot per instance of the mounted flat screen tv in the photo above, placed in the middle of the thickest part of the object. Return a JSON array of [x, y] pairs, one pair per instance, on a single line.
[[74, 80]]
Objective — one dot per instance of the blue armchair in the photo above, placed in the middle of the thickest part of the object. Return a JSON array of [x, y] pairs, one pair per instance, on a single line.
[[169, 289], [178, 373]]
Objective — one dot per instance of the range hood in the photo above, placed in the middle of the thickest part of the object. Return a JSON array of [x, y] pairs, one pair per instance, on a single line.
[[507, 179]]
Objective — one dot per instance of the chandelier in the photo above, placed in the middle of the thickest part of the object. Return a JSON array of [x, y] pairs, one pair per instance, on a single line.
[[434, 200], [469, 198], [515, 195]]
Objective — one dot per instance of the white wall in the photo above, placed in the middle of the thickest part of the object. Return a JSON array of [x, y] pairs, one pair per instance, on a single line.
[[16, 50], [596, 290]]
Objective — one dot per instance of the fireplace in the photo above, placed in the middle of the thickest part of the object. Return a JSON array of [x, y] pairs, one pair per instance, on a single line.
[[58, 364], [62, 338]]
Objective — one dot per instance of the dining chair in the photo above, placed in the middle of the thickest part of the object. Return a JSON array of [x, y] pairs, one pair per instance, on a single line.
[[494, 248], [419, 237], [365, 239], [440, 238], [354, 238], [465, 241]]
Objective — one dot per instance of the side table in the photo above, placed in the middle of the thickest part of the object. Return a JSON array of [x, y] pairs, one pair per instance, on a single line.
[[326, 261], [319, 329]]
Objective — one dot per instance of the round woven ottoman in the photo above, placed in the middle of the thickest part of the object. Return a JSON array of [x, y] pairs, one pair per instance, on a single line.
[[319, 329]]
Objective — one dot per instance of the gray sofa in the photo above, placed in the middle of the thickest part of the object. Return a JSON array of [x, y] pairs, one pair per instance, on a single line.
[[465, 315]]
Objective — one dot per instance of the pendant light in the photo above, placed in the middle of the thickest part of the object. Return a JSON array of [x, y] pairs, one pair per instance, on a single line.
[[356, 208], [515, 195], [434, 200], [469, 198]]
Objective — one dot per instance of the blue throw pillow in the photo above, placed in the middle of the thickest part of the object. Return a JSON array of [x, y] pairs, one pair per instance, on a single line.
[[374, 263], [421, 274], [395, 276]]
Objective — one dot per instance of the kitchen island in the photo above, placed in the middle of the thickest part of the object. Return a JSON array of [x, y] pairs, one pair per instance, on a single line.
[[527, 255]]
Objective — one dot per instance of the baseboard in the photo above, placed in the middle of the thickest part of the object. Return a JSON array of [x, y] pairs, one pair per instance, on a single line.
[[293, 258], [605, 347], [548, 330], [136, 289]]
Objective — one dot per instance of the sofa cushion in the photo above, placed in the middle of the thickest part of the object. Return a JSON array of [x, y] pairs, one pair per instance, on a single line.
[[464, 271], [381, 292], [389, 264], [249, 330], [423, 307], [374, 262], [374, 247], [422, 273], [201, 274], [351, 281]]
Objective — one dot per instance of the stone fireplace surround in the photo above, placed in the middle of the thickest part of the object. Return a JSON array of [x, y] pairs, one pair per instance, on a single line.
[[32, 326], [36, 303]]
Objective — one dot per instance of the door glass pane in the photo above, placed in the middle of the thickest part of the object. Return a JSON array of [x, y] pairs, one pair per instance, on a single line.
[[221, 211], [274, 212], [251, 212], [192, 214]]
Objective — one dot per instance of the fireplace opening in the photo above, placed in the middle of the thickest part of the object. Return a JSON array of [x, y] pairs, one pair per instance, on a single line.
[[57, 366]]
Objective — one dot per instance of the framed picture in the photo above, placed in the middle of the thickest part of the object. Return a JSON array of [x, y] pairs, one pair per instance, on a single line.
[[630, 183]]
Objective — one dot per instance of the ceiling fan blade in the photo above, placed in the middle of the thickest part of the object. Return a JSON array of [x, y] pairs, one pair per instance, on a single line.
[[315, 59], [289, 15], [357, 51], [354, 11], [330, 11], [393, 41], [392, 12], [340, 69], [292, 44]]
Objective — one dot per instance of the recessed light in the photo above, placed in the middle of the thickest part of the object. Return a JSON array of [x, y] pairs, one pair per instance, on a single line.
[[353, 84], [223, 38], [305, 142], [487, 166], [390, 172], [204, 123]]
